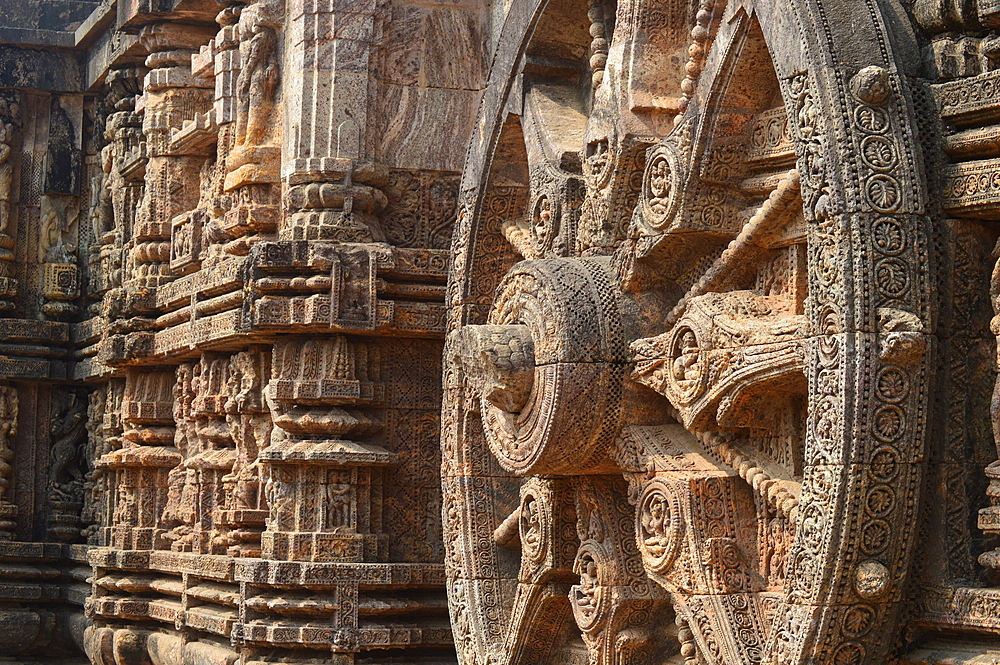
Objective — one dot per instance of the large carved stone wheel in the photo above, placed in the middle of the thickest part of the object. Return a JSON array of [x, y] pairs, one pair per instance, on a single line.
[[687, 368]]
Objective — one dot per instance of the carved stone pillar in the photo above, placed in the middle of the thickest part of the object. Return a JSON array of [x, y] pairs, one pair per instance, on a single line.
[[252, 166], [8, 429], [204, 441], [123, 162], [106, 428], [324, 488], [614, 603], [334, 191], [179, 510], [171, 95], [9, 112], [95, 482], [66, 482], [101, 219], [243, 516], [198, 237], [142, 463]]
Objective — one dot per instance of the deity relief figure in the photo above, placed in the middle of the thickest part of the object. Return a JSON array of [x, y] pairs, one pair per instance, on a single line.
[[655, 524], [69, 433], [249, 425], [126, 506], [542, 228], [67, 484], [95, 481], [995, 329], [8, 429], [659, 527], [178, 511], [778, 542], [686, 367], [6, 176], [338, 500], [988, 520], [254, 158], [584, 596], [531, 527], [9, 113], [258, 79], [102, 207], [183, 240], [56, 240], [280, 492], [244, 387]]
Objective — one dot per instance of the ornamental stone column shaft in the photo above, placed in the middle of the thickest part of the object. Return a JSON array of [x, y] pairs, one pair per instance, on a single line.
[[171, 94], [333, 187], [248, 105]]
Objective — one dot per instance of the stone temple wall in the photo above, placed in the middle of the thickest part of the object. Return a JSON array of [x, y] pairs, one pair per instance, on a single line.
[[223, 257], [499, 332]]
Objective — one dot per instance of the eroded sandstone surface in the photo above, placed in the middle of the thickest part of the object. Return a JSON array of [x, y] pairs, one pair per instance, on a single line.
[[510, 332]]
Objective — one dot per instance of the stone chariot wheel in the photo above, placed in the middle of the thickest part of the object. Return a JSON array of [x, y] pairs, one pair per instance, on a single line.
[[686, 379]]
